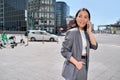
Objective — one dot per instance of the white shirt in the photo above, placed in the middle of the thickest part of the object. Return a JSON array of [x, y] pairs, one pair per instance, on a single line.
[[84, 43]]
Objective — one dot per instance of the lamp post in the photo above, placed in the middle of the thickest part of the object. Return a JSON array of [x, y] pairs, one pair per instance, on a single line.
[[29, 23]]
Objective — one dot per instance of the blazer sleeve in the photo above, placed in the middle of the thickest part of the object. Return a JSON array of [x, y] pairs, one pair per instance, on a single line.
[[93, 46], [67, 45]]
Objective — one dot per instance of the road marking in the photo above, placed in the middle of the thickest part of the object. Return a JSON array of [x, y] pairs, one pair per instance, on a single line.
[[111, 45]]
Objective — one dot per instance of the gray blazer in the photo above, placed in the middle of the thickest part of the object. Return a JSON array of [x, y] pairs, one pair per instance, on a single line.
[[72, 46]]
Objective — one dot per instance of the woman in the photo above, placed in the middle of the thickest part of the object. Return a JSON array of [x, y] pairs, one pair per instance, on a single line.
[[75, 48]]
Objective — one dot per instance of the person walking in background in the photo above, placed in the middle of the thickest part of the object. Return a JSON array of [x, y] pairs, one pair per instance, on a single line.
[[75, 48], [4, 38]]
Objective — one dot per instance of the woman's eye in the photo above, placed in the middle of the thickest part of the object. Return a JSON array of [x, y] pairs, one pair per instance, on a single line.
[[79, 16], [85, 17]]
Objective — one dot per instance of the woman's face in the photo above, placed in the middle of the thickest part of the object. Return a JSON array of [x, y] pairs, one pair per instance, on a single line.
[[82, 19]]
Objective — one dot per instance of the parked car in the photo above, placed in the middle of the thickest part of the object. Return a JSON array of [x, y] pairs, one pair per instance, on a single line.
[[34, 35]]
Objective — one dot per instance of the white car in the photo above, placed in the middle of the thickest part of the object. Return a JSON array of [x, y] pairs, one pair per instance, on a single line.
[[34, 35]]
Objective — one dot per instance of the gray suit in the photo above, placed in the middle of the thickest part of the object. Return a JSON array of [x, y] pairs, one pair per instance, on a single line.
[[72, 46]]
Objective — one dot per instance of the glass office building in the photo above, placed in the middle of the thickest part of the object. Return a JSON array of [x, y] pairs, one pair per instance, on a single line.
[[41, 15], [12, 15], [62, 11], [1, 14]]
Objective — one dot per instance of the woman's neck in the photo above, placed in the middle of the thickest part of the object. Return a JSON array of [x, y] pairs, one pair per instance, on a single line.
[[81, 29]]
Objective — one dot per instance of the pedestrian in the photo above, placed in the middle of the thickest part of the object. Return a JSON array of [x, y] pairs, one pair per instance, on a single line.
[[4, 38], [75, 48]]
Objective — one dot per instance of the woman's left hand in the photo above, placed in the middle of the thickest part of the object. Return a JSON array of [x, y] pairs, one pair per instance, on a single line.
[[89, 27]]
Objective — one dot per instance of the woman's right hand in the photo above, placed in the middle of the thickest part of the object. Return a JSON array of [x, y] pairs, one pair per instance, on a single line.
[[79, 64]]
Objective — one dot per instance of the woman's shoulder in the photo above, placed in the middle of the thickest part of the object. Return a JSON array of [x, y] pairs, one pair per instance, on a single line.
[[73, 30]]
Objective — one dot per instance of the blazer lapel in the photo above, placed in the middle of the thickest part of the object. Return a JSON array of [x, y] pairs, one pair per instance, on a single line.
[[87, 40], [79, 42]]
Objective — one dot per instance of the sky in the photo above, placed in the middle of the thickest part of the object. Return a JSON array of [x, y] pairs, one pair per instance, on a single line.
[[102, 11]]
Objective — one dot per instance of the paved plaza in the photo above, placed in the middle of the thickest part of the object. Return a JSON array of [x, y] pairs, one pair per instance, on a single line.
[[43, 60]]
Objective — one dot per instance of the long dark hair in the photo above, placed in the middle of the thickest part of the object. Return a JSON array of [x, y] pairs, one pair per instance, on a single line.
[[73, 22]]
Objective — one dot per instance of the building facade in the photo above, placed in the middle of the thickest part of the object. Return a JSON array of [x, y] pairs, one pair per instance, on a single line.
[[62, 11], [68, 20], [41, 15], [1, 14], [12, 15]]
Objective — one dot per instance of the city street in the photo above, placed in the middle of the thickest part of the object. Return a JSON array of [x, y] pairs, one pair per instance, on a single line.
[[43, 60]]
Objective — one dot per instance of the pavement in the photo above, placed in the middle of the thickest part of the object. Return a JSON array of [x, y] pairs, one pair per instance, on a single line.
[[104, 62], [43, 60]]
